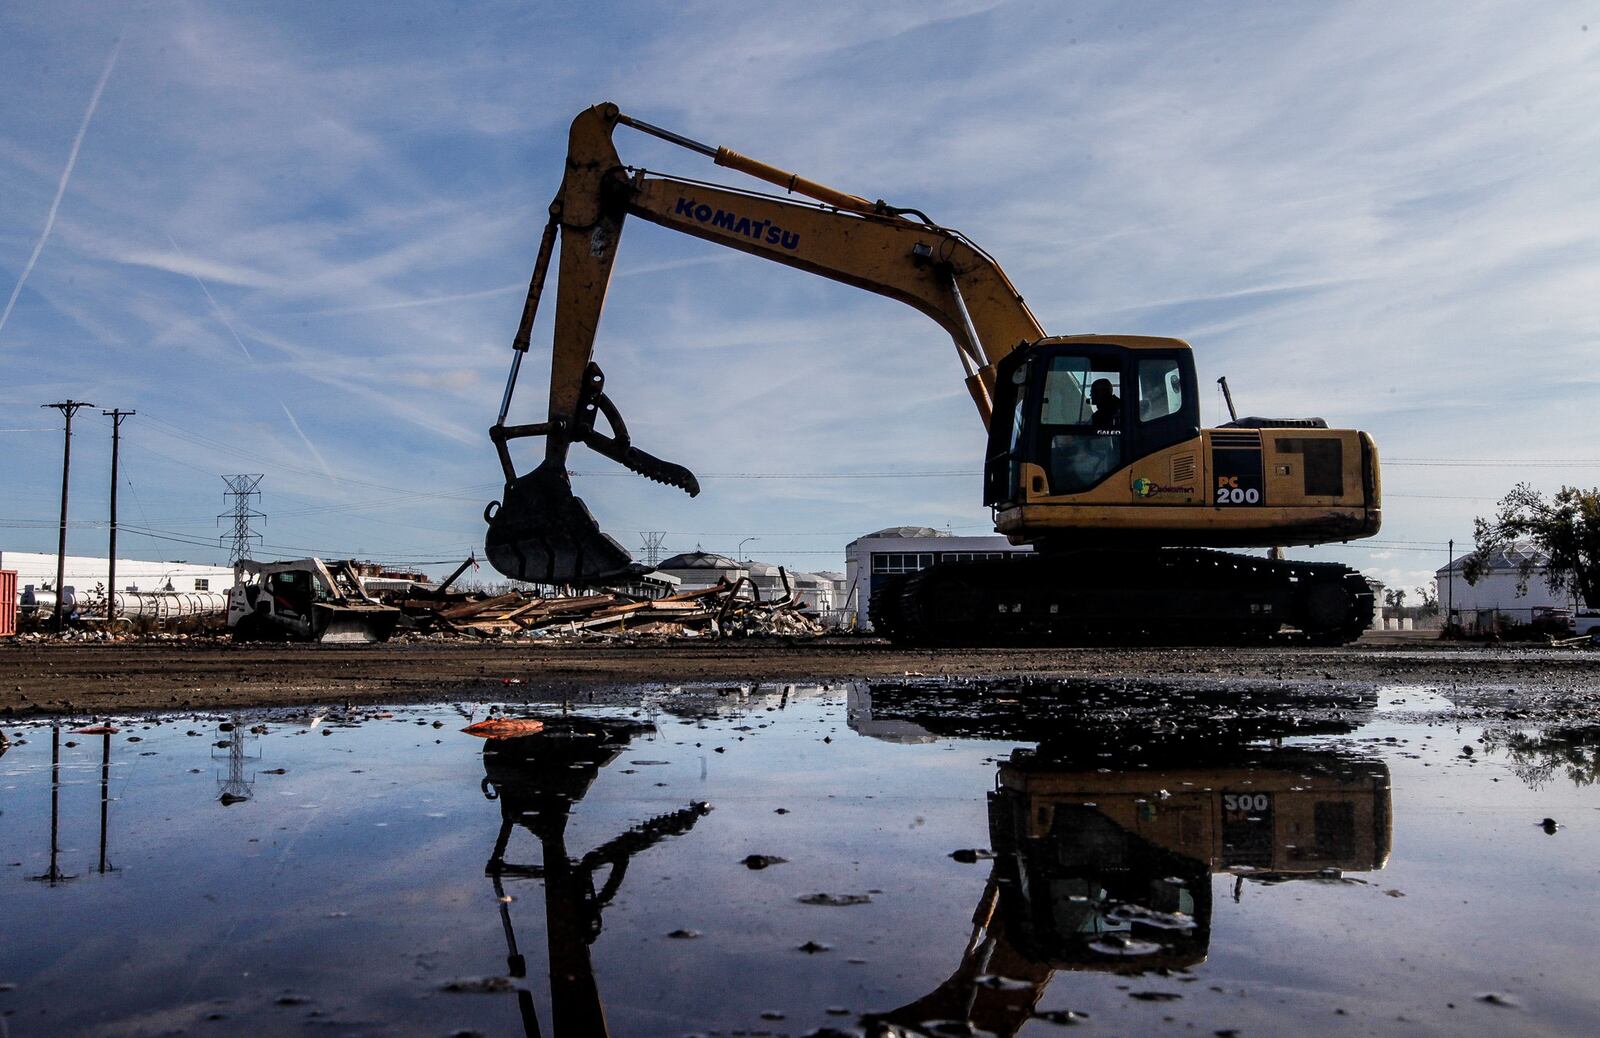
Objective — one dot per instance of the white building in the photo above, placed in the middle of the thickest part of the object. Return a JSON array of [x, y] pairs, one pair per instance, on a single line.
[[872, 559], [840, 585], [697, 570], [84, 573], [1496, 594], [813, 591], [816, 593]]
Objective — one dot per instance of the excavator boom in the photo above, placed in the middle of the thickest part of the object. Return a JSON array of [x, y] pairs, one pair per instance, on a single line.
[[540, 531]]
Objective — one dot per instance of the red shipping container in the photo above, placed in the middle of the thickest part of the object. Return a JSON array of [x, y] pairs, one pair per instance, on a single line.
[[8, 602]]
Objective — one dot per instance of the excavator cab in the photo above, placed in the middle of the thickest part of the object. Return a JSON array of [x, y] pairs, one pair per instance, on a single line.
[[1071, 413]]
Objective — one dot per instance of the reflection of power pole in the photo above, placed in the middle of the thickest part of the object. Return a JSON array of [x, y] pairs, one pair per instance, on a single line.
[[105, 794], [54, 875], [653, 540], [68, 408], [241, 488], [111, 577]]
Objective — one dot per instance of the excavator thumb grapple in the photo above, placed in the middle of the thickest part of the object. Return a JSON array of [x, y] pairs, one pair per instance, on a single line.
[[540, 531]]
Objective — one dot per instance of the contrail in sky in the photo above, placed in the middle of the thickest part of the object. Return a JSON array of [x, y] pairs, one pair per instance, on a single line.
[[61, 188], [321, 461], [213, 299]]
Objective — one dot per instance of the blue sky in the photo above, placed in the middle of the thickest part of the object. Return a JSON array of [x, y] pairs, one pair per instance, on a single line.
[[295, 237]]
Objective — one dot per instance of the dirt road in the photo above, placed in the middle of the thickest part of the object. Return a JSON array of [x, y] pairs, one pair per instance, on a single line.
[[47, 678]]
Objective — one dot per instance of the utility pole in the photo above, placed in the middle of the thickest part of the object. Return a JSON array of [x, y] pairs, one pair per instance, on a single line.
[[68, 408], [241, 488], [111, 578], [1450, 595]]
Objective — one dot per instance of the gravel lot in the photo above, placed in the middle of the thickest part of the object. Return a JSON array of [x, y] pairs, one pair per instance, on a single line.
[[78, 678]]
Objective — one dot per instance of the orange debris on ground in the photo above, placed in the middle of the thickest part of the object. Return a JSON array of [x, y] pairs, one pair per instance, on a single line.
[[505, 727]]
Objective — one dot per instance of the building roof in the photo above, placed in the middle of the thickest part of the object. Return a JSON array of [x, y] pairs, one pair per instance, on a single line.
[[698, 560], [1509, 558], [908, 532]]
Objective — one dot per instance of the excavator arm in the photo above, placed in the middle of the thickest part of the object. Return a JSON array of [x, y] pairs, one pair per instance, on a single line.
[[540, 531]]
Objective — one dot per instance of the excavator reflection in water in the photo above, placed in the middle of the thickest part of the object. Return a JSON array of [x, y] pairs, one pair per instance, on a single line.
[[1110, 871], [1105, 846], [536, 779]]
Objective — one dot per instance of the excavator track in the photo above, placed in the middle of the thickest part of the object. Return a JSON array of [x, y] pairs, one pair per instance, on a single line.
[[1167, 596]]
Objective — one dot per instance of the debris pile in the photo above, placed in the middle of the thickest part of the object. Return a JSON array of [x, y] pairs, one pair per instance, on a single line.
[[723, 610]]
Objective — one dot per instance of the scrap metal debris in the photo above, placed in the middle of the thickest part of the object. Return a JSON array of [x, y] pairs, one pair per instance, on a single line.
[[722, 610]]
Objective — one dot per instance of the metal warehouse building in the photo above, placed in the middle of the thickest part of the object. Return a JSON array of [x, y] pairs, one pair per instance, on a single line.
[[1497, 596], [875, 557], [84, 572]]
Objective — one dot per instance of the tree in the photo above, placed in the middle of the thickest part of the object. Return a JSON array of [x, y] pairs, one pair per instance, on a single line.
[[1430, 601], [1565, 530], [1537, 757], [1395, 597]]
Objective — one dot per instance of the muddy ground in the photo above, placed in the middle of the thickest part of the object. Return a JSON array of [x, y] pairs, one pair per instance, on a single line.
[[50, 678]]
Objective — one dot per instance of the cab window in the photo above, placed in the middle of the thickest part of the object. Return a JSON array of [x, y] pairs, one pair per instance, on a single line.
[[1160, 389], [1081, 417], [1066, 392]]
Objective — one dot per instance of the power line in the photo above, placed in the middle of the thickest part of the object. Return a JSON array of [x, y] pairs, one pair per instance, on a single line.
[[195, 439], [1437, 497], [1496, 462]]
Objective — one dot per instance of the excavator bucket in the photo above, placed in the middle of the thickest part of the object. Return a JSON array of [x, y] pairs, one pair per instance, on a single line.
[[544, 534]]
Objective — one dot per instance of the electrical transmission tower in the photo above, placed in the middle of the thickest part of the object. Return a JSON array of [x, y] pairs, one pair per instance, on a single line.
[[241, 488], [653, 540], [235, 788]]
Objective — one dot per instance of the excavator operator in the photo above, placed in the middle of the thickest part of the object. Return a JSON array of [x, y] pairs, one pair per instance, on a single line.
[[1107, 405]]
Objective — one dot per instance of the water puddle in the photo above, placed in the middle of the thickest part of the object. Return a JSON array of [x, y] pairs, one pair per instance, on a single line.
[[1412, 701], [902, 858]]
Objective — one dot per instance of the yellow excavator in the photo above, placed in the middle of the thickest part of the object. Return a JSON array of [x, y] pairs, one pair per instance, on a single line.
[[1109, 870], [1095, 452]]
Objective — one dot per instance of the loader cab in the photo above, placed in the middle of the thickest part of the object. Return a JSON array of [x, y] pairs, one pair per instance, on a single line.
[[1081, 408]]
